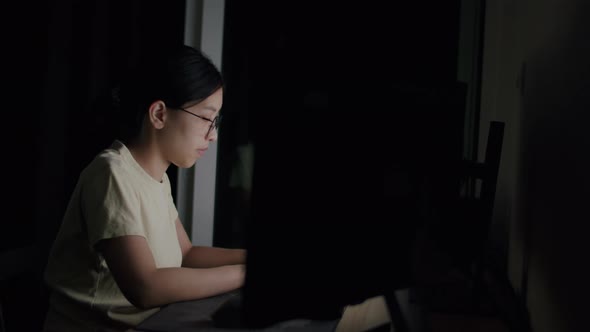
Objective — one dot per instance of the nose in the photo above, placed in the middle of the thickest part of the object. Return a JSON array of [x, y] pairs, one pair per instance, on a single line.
[[212, 135]]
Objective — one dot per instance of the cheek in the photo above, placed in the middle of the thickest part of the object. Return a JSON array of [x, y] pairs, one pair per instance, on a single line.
[[183, 141]]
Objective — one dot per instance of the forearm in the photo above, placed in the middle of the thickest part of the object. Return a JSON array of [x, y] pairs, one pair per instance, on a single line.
[[205, 257], [170, 285]]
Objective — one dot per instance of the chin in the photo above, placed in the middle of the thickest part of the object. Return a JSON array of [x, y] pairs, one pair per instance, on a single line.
[[185, 163]]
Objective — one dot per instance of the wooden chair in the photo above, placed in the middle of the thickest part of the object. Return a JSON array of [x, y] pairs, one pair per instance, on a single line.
[[460, 233], [478, 192], [475, 208]]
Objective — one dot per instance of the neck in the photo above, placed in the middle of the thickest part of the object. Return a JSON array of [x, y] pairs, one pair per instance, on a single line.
[[148, 156]]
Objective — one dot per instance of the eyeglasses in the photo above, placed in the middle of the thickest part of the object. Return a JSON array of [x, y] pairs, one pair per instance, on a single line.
[[214, 122]]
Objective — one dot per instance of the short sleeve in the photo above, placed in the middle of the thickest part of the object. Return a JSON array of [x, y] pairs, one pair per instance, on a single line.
[[110, 205]]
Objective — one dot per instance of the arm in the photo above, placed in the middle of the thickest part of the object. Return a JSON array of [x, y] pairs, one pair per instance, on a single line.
[[205, 257], [145, 286]]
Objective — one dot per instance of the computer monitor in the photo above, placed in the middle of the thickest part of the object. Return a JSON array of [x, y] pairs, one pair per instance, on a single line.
[[324, 232]]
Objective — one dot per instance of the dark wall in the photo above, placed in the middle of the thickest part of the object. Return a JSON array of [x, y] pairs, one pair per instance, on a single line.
[[555, 182], [24, 64]]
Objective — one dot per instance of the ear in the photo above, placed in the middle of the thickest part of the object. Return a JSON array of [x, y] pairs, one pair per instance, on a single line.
[[157, 114]]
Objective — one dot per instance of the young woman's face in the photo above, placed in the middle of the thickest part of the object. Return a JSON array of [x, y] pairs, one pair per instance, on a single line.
[[187, 136]]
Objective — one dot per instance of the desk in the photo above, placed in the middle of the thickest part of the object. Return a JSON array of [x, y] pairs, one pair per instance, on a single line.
[[193, 316], [407, 315], [196, 316]]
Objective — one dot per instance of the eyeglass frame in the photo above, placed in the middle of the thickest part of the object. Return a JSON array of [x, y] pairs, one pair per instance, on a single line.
[[214, 122]]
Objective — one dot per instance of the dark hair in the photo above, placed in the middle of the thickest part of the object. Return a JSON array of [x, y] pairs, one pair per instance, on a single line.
[[177, 76]]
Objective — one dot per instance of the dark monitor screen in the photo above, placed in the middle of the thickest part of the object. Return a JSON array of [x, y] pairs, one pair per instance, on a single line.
[[326, 231]]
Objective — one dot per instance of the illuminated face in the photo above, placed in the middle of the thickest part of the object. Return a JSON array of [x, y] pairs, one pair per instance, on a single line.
[[189, 130]]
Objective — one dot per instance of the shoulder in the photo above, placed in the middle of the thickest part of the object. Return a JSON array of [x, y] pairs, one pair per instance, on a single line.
[[109, 169], [108, 181], [107, 163]]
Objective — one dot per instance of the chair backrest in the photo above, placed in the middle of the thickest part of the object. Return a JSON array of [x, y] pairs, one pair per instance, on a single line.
[[485, 171], [475, 206], [492, 165]]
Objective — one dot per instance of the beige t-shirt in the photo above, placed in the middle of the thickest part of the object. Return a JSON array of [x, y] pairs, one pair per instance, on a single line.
[[114, 196]]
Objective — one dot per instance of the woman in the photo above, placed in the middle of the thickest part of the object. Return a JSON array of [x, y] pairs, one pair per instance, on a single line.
[[122, 252]]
